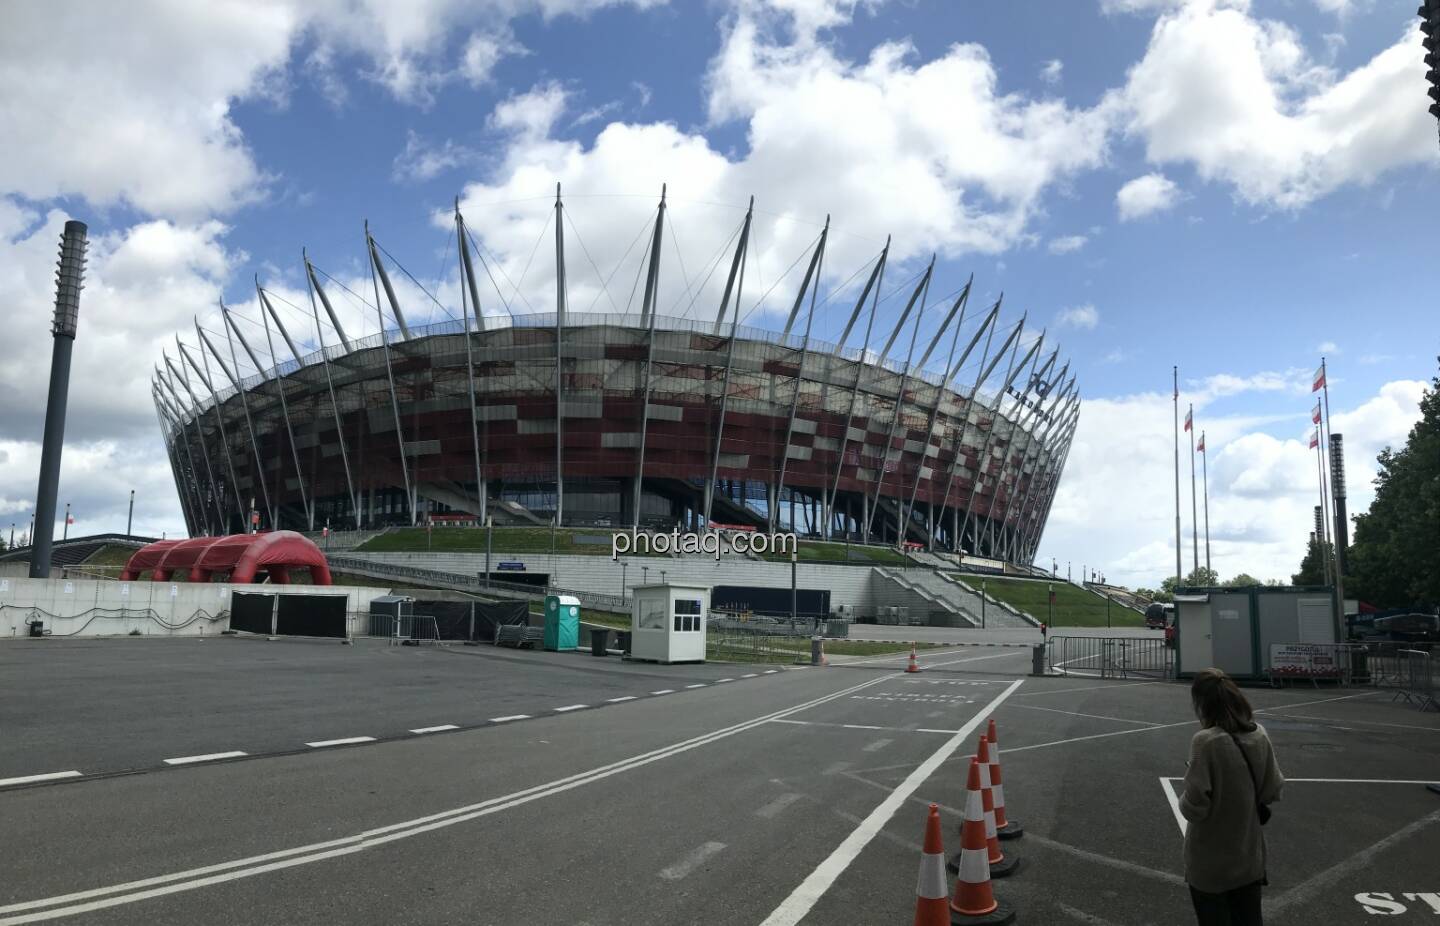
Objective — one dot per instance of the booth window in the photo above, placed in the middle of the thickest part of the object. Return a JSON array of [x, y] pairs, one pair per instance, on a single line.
[[687, 615], [652, 616]]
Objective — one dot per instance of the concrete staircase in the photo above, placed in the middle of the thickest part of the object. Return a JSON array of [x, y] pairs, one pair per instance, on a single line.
[[997, 612], [917, 590]]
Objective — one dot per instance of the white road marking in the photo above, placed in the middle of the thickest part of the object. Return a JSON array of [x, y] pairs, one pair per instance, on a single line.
[[836, 768], [774, 808], [49, 776], [749, 675], [692, 861], [510, 718], [1170, 796], [663, 691], [878, 745], [771, 671], [186, 760], [1350, 781], [88, 901], [803, 899], [1095, 736], [344, 741], [702, 685], [1286, 707], [719, 680], [1307, 889], [570, 707], [932, 730], [1368, 723], [860, 726], [956, 662], [1034, 694], [618, 700], [438, 729], [1053, 710]]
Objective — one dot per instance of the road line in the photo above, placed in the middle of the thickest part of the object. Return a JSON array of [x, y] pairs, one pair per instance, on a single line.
[[1172, 797], [88, 901], [719, 680], [749, 675], [618, 700], [49, 776], [1351, 781], [439, 729], [701, 685], [1095, 736], [344, 741], [1369, 723], [663, 691], [836, 768], [186, 760], [510, 718], [933, 730], [569, 707], [1286, 707], [771, 671], [1053, 710], [803, 899], [877, 745], [692, 861], [774, 808], [860, 726], [1034, 694], [1307, 889]]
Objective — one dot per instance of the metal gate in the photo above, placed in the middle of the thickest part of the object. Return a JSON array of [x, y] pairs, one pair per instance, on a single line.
[[1110, 657]]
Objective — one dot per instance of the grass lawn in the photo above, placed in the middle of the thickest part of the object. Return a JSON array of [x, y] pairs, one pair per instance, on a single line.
[[507, 540], [819, 551], [111, 555], [1074, 606]]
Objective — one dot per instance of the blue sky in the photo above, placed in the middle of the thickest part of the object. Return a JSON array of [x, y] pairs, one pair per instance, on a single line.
[[1219, 184]]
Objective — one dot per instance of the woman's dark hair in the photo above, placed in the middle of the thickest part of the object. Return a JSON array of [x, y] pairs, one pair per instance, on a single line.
[[1219, 703]]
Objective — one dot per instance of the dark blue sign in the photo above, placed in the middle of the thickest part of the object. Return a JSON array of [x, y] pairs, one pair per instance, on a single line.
[[511, 567]]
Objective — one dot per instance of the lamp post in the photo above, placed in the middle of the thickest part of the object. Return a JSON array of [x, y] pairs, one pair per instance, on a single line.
[[645, 574], [489, 544], [982, 604], [130, 518], [65, 531], [623, 564], [1051, 619]]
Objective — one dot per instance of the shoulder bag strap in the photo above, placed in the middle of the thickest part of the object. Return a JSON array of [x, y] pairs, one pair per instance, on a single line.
[[1255, 785]]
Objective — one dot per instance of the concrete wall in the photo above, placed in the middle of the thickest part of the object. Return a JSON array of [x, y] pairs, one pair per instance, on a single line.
[[180, 608], [850, 585]]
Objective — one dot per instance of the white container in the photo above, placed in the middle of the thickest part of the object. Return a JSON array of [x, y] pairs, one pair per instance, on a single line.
[[667, 622]]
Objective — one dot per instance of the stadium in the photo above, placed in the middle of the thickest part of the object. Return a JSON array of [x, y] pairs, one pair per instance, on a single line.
[[954, 441]]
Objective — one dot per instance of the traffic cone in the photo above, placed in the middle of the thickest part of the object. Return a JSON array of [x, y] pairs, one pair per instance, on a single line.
[[1005, 828], [932, 893], [1001, 865], [824, 660], [913, 666], [974, 902]]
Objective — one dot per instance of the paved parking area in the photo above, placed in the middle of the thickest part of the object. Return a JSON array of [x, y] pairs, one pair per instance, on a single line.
[[796, 797]]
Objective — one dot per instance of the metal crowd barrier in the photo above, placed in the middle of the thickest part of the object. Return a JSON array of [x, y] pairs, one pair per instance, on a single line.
[[1110, 657]]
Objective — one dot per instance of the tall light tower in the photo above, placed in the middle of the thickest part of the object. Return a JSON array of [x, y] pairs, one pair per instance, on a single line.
[[1430, 25], [69, 281]]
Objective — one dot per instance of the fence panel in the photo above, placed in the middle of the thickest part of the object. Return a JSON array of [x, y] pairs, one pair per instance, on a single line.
[[1110, 657]]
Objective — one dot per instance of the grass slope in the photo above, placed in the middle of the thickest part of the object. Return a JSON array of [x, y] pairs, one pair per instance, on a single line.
[[1074, 606]]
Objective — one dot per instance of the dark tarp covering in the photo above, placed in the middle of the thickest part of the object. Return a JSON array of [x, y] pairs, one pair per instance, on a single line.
[[299, 615], [452, 618], [250, 612], [771, 602]]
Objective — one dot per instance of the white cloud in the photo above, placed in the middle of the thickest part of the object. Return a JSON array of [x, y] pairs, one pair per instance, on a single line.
[[1145, 196], [1052, 71], [1240, 99], [483, 52], [1080, 316], [532, 114], [1328, 347], [1067, 244], [423, 161], [1262, 488]]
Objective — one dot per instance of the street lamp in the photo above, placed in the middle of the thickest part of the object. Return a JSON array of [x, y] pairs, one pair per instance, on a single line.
[[130, 518], [623, 564], [982, 604]]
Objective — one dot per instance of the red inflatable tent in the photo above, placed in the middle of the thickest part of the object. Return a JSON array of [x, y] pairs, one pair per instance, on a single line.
[[240, 555]]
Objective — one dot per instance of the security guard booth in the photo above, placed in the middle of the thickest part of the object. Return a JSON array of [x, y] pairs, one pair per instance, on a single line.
[[667, 623], [562, 622]]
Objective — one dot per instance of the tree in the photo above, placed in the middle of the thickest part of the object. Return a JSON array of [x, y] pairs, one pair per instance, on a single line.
[[1243, 580], [1198, 578], [1312, 567], [1395, 558]]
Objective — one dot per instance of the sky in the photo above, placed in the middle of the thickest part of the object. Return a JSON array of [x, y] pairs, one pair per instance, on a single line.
[[1233, 187]]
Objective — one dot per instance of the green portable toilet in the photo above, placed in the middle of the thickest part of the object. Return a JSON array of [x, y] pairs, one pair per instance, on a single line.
[[562, 622]]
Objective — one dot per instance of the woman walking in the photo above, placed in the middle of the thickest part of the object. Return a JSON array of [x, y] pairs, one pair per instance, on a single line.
[[1231, 780]]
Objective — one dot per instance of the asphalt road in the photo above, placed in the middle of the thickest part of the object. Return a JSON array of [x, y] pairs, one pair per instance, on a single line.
[[793, 797]]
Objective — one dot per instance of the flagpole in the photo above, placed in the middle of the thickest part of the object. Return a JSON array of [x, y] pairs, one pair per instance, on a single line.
[[1322, 541], [1205, 476], [1178, 554], [1334, 528], [1194, 519]]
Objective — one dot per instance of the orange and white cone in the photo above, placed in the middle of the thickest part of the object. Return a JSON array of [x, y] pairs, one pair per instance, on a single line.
[[974, 902], [824, 660], [1001, 865], [1005, 828], [932, 892], [913, 666]]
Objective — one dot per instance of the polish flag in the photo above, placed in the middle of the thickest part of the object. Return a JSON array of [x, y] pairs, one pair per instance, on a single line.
[[1319, 379], [1189, 415], [1315, 412], [1201, 448], [1314, 440]]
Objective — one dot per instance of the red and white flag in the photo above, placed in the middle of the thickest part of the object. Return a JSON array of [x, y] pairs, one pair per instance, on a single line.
[[1319, 378], [1314, 440], [1189, 418], [69, 520], [1201, 448], [1315, 412]]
